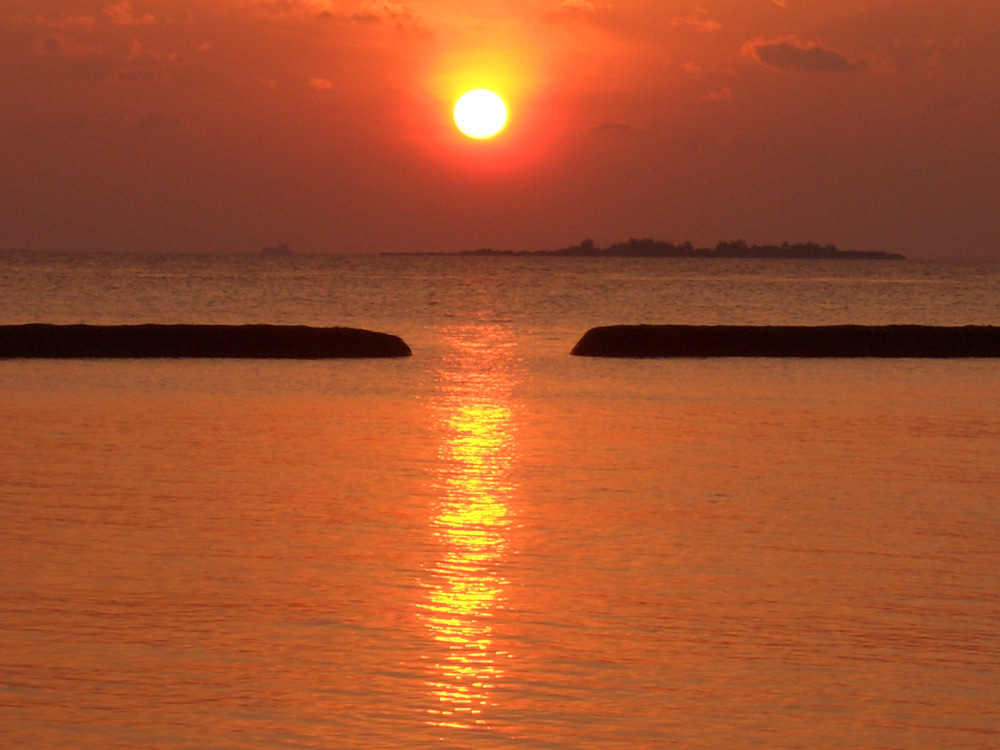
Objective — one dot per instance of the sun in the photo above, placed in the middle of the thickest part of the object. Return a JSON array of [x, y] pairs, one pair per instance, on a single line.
[[480, 113]]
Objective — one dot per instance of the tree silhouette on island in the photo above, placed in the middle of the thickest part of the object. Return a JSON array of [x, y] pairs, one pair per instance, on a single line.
[[648, 248]]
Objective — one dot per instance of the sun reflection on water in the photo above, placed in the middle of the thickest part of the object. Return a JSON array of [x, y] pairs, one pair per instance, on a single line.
[[470, 523]]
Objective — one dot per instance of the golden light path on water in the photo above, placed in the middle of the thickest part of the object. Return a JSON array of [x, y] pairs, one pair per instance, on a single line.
[[471, 523]]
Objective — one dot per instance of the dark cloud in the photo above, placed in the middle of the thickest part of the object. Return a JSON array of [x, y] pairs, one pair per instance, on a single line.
[[282, 6], [789, 54], [62, 48], [383, 11]]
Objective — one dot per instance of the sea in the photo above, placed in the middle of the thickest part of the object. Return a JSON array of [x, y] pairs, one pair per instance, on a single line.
[[492, 543]]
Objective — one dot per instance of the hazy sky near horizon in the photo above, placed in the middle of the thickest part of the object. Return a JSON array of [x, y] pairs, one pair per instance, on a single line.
[[225, 125]]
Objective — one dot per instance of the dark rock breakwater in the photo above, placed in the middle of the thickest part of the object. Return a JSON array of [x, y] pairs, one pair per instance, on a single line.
[[790, 341], [46, 341]]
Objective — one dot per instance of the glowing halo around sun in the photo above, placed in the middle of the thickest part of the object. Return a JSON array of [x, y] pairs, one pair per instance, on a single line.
[[480, 113]]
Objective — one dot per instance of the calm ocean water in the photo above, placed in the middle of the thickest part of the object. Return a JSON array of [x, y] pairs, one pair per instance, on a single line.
[[493, 544]]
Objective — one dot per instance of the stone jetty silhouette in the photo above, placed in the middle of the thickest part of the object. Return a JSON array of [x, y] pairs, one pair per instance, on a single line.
[[641, 341], [46, 341]]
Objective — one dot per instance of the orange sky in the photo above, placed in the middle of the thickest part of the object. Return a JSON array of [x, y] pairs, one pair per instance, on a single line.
[[224, 125]]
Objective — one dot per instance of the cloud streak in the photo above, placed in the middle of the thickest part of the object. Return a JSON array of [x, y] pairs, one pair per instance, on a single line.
[[698, 21], [719, 95], [383, 11], [790, 53], [121, 15], [578, 6]]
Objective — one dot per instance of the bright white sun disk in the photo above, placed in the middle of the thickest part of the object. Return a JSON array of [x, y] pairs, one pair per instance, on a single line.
[[480, 113]]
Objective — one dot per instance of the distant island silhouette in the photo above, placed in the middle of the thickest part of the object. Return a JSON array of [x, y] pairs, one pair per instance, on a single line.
[[648, 248]]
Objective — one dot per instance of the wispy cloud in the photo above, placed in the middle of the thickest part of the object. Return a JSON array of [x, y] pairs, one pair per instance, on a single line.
[[791, 53], [66, 22], [699, 21], [578, 6], [122, 15], [382, 10], [719, 95], [282, 6], [320, 84], [59, 45]]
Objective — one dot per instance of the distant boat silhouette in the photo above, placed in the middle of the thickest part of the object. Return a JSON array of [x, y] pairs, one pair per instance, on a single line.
[[281, 249]]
